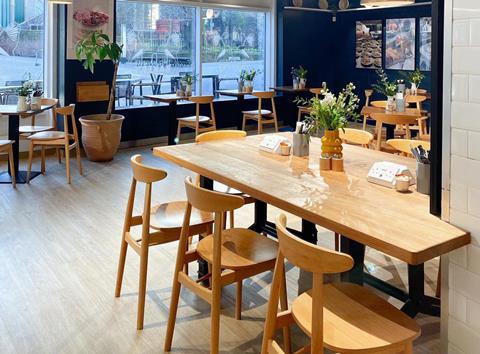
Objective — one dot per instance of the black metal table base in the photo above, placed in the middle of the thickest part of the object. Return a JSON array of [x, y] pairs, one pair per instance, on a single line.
[[21, 177]]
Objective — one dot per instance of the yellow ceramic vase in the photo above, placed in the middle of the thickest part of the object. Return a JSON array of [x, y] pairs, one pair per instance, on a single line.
[[332, 144]]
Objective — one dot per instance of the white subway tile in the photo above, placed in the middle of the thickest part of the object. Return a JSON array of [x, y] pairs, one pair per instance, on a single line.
[[461, 33], [475, 32], [466, 222], [454, 350], [457, 304], [473, 315], [463, 337], [465, 171], [465, 115], [474, 145], [466, 4], [465, 282], [459, 257], [474, 203], [459, 197], [474, 88], [459, 142], [465, 60], [460, 87], [473, 260]]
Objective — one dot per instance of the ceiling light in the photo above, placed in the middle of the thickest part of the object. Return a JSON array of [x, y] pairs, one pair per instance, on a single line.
[[386, 3]]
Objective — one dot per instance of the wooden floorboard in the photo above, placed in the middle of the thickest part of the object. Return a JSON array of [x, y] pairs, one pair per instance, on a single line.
[[58, 257]]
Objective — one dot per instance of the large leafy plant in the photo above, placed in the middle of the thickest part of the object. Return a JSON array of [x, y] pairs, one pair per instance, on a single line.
[[332, 112], [96, 45], [384, 86], [415, 77]]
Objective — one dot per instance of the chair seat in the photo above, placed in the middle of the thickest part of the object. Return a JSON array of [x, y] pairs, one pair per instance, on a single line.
[[355, 319], [32, 129], [6, 142], [170, 216], [264, 112], [48, 135], [241, 248], [193, 119]]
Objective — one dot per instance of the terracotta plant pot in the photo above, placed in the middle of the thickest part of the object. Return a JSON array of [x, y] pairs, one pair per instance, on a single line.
[[101, 137], [332, 144]]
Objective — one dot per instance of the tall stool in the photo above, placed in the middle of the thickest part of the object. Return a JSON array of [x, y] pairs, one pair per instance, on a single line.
[[166, 219], [343, 317], [260, 115]]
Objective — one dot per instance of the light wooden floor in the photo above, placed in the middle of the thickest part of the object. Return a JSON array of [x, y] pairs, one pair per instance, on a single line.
[[58, 257]]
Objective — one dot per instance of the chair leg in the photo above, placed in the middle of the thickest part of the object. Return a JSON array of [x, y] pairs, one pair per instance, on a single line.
[[59, 155], [121, 267], [179, 130], [215, 309], [79, 159], [284, 307], [275, 121], [337, 242], [232, 219], [12, 166], [244, 122], [364, 122], [142, 286], [299, 116], [43, 159], [438, 289], [30, 160], [238, 300], [409, 348], [67, 164], [259, 125]]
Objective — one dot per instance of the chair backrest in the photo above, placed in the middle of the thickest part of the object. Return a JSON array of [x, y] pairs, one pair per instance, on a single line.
[[145, 174], [422, 92], [395, 118], [368, 95], [199, 100], [219, 135], [403, 145], [261, 95], [66, 112], [317, 91], [50, 102], [415, 99], [379, 104], [356, 136]]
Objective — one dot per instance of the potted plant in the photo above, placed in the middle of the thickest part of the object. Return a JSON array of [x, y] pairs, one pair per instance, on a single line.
[[36, 101], [300, 74], [249, 76], [187, 83], [22, 104], [386, 88], [415, 77], [330, 114], [101, 133]]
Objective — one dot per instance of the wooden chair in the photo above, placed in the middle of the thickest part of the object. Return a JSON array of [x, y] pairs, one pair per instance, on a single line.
[[379, 104], [392, 119], [302, 110], [368, 95], [58, 139], [159, 225], [7, 147], [220, 187], [260, 115], [234, 255], [403, 145], [198, 122], [356, 137], [343, 317]]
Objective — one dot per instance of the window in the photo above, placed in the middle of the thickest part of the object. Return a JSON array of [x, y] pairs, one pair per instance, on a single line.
[[232, 41], [22, 24], [164, 41]]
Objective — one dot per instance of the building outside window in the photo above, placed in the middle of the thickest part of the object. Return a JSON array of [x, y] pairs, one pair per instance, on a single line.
[[163, 42], [22, 42]]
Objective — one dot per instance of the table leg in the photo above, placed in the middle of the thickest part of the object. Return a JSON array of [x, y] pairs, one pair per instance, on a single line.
[[390, 131], [172, 123], [241, 107], [357, 251]]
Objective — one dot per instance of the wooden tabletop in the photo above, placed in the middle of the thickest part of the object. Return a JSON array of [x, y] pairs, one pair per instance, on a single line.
[[233, 93], [12, 110], [289, 89], [399, 225], [166, 98], [409, 112]]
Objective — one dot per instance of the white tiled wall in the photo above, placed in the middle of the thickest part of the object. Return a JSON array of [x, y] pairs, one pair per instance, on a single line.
[[464, 267]]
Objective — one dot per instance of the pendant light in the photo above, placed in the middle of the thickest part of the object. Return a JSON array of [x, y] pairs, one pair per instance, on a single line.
[[385, 3]]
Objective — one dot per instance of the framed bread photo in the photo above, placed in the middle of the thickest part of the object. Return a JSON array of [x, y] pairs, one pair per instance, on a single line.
[[368, 48], [425, 48], [400, 44]]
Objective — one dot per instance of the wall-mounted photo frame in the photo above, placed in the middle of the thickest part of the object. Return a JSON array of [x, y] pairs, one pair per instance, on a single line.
[[368, 48], [400, 44], [425, 45], [85, 16]]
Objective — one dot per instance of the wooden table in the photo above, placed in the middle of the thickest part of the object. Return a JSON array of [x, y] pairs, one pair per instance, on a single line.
[[366, 214], [13, 134], [290, 89], [172, 100], [240, 101]]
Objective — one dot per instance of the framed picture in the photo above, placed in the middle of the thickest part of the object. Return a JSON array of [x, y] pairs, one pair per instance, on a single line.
[[85, 16], [400, 44], [425, 48], [368, 48]]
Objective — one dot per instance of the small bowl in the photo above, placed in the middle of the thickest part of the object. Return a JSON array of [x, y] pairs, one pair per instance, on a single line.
[[402, 183]]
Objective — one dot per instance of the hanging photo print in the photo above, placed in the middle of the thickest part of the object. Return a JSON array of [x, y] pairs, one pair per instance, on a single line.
[[425, 43], [400, 44], [368, 49]]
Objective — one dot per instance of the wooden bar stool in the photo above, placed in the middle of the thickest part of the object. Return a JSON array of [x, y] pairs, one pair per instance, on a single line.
[[356, 137], [166, 220], [219, 187], [57, 139], [198, 122], [234, 255], [260, 115], [343, 317], [7, 146], [302, 110]]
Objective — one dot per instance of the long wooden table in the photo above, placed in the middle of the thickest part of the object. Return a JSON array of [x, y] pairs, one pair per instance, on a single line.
[[366, 214]]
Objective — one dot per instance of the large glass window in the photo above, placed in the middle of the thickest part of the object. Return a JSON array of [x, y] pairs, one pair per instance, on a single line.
[[22, 24], [159, 47], [163, 42], [232, 41]]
